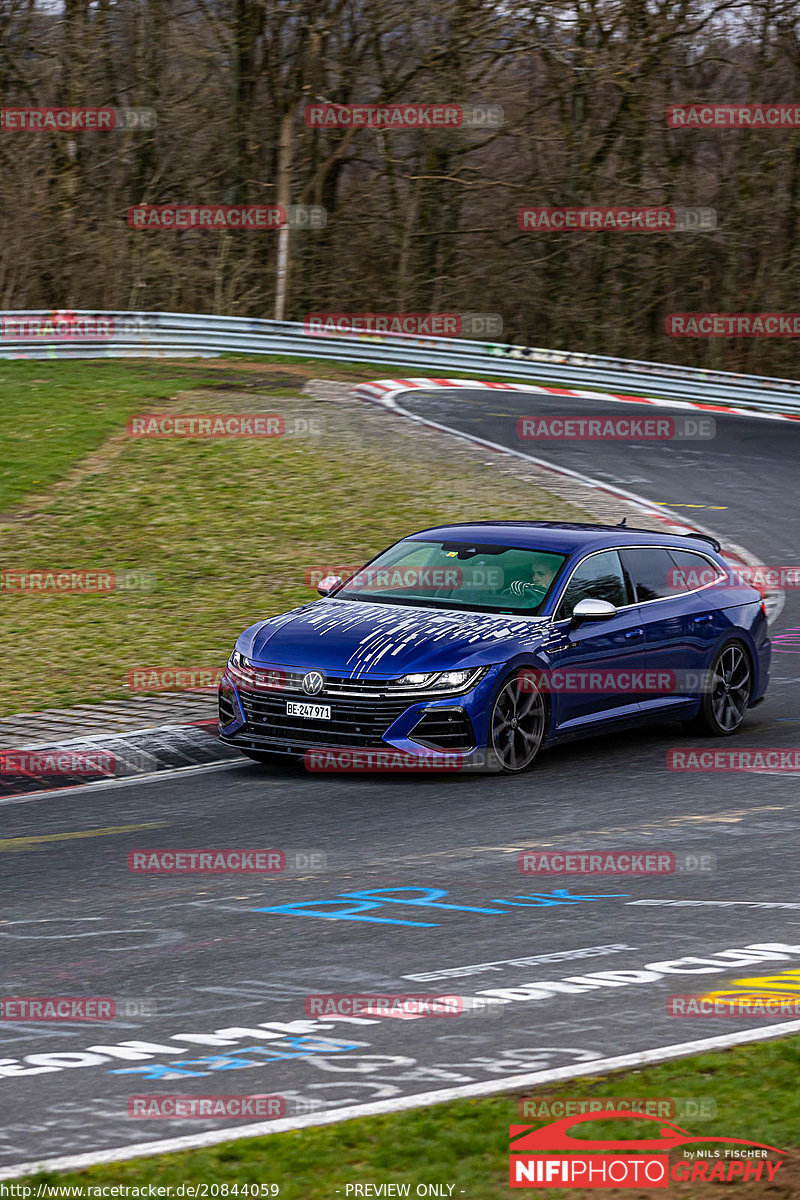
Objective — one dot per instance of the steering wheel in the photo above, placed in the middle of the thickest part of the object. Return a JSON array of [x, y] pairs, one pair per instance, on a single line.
[[521, 590]]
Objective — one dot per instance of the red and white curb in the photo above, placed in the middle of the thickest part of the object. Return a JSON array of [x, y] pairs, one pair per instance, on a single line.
[[381, 387], [386, 393]]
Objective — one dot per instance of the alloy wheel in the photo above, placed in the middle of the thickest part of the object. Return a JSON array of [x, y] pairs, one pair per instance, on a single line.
[[730, 687], [517, 725]]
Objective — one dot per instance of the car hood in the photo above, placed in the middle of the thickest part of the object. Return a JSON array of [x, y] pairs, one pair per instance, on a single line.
[[355, 638]]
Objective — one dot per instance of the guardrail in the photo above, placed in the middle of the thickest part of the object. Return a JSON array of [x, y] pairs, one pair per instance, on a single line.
[[27, 334]]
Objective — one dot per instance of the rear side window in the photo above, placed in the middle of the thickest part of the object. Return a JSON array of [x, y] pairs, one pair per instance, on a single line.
[[692, 571], [598, 577], [651, 572]]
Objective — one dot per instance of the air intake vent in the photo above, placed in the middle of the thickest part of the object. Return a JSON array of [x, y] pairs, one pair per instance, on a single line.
[[227, 712], [444, 729]]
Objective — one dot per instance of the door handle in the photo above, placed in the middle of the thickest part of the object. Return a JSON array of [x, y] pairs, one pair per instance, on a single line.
[[630, 634], [704, 619]]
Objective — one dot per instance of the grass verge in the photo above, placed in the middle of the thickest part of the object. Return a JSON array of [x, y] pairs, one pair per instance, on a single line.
[[228, 527], [56, 413]]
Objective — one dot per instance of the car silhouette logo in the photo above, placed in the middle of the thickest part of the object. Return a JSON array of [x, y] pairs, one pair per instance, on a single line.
[[557, 1135], [313, 683]]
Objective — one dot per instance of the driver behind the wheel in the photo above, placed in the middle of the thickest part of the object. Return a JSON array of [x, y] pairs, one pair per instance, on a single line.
[[534, 588]]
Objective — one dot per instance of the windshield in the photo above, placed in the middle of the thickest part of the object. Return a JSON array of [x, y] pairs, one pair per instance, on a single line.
[[484, 578]]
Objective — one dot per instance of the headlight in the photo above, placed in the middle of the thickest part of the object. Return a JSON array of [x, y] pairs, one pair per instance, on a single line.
[[238, 661], [443, 681], [417, 680], [450, 679]]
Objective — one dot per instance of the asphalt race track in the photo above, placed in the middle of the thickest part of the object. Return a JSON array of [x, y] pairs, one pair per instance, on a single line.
[[192, 956]]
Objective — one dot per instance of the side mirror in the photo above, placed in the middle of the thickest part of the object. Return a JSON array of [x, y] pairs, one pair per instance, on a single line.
[[592, 610], [329, 584]]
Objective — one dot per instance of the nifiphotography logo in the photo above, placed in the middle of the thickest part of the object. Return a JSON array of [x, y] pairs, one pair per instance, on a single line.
[[632, 1162]]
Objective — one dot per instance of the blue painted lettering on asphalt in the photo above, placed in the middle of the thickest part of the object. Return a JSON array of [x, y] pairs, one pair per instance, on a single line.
[[310, 908], [301, 1047], [220, 1062], [557, 896], [427, 898]]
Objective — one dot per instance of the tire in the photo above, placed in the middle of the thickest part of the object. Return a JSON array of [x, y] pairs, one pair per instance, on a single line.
[[517, 725], [725, 702]]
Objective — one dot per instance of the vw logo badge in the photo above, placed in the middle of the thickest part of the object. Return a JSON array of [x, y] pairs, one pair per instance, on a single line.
[[313, 683]]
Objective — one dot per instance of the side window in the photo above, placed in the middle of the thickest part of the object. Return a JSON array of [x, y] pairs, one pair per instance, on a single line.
[[598, 577], [691, 571], [651, 572]]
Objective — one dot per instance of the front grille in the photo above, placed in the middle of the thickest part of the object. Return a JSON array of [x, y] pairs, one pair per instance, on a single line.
[[444, 729], [354, 722]]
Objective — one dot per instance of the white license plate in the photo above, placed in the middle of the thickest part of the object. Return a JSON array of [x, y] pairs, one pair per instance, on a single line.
[[314, 712]]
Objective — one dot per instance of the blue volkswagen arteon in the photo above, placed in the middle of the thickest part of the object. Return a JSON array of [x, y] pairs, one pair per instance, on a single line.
[[497, 638]]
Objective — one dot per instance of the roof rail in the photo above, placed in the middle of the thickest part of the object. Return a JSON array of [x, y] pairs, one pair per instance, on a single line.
[[706, 537]]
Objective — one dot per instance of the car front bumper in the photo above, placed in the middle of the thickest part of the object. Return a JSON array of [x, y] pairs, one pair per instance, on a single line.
[[430, 727]]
